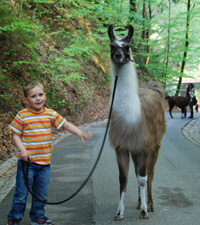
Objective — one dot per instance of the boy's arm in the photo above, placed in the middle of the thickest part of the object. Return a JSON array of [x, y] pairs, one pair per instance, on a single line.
[[23, 153], [75, 130]]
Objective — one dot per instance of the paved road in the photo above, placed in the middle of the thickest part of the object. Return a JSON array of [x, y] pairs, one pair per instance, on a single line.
[[176, 185]]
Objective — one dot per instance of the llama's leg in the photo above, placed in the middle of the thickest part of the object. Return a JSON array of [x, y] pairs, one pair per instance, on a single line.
[[170, 111], [123, 165], [134, 158], [171, 106], [142, 179], [151, 165]]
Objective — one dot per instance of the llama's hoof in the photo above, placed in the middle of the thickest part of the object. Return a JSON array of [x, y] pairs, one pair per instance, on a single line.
[[150, 208], [144, 215], [118, 217]]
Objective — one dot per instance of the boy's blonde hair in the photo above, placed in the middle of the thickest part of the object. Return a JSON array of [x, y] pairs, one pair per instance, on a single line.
[[30, 85]]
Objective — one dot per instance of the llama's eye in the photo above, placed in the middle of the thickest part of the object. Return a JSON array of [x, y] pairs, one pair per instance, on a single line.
[[126, 48], [112, 48]]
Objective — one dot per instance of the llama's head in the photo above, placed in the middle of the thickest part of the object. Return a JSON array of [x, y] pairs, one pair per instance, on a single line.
[[120, 46]]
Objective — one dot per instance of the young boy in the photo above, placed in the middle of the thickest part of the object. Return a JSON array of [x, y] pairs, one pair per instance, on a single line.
[[32, 133]]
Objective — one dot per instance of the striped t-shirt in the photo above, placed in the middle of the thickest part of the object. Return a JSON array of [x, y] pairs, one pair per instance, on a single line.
[[35, 130]]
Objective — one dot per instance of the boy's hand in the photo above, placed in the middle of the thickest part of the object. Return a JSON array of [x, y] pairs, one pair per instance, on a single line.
[[87, 135], [75, 130], [23, 153], [24, 156]]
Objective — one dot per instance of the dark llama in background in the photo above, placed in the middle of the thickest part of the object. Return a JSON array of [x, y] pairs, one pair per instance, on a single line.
[[137, 123], [181, 102]]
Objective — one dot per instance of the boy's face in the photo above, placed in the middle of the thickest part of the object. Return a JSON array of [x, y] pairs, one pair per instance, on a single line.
[[36, 99]]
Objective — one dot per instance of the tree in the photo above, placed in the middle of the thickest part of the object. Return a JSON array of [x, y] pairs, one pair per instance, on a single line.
[[186, 47], [133, 6], [148, 32]]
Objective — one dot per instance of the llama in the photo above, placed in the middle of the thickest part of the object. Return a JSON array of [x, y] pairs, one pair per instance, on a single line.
[[179, 101], [137, 123]]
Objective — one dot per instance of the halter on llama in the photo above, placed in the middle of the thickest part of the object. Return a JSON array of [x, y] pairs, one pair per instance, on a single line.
[[137, 123]]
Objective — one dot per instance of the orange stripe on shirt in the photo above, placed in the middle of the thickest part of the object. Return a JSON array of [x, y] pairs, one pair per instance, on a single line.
[[37, 133]]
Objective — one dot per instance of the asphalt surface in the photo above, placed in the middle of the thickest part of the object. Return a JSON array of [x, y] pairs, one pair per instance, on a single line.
[[97, 202], [71, 163], [176, 186]]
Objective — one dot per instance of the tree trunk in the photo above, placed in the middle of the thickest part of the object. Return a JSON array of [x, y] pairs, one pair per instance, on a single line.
[[148, 33], [168, 45], [133, 10], [186, 48], [144, 17], [133, 5]]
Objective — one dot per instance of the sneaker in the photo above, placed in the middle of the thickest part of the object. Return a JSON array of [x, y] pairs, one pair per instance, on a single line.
[[44, 220], [11, 222]]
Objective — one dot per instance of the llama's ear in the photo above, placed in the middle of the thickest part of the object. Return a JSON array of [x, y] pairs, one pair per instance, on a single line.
[[130, 33], [111, 32]]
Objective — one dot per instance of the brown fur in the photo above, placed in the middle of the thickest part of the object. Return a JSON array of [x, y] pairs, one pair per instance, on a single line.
[[140, 134], [178, 101], [143, 138], [137, 138]]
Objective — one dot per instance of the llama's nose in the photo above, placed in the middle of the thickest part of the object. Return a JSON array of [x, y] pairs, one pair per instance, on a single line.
[[118, 54]]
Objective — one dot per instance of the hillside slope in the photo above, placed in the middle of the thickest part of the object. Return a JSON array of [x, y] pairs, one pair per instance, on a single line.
[[63, 49]]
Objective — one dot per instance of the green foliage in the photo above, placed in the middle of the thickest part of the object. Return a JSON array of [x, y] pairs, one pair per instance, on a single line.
[[5, 95], [55, 97], [21, 27], [55, 41]]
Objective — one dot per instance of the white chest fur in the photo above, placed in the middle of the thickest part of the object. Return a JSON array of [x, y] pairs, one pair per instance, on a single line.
[[127, 103]]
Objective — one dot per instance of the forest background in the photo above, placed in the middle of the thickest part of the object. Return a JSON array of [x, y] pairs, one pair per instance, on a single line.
[[65, 44]]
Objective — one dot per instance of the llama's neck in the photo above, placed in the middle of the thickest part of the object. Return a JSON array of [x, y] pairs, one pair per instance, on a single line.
[[126, 103]]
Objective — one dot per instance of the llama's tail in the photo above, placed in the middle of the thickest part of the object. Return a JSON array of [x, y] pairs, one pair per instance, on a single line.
[[155, 86]]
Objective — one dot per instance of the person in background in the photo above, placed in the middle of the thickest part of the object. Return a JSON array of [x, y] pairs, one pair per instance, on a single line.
[[191, 92], [32, 133], [197, 108]]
